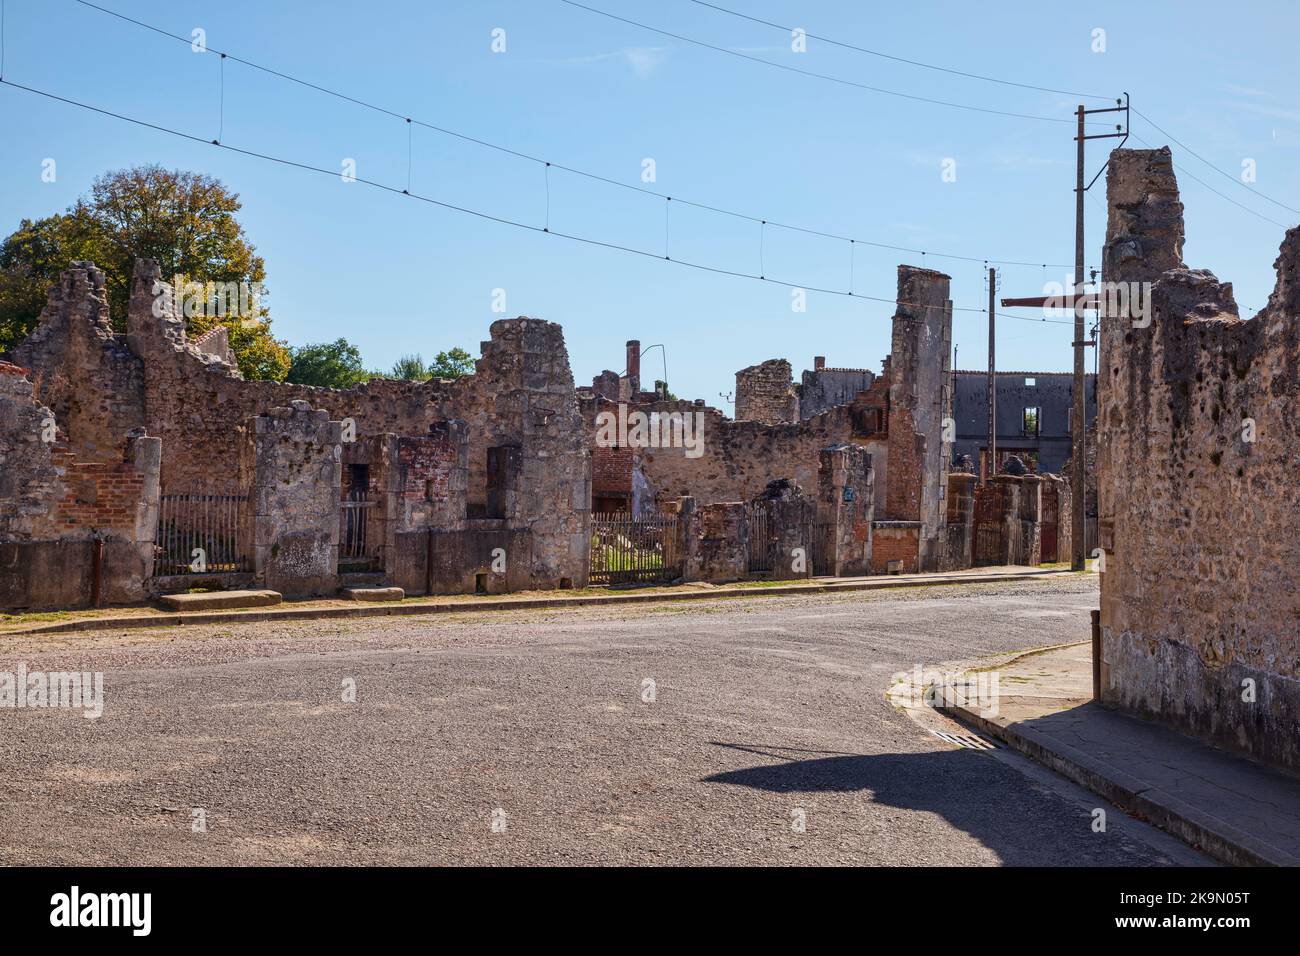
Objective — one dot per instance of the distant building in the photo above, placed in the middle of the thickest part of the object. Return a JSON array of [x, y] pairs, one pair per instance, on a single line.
[[1034, 416]]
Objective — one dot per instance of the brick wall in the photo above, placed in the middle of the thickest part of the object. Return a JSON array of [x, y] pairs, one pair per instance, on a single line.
[[895, 541], [60, 514]]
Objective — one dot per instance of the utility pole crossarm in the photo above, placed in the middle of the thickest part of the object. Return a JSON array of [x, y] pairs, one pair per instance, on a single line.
[[1086, 301]]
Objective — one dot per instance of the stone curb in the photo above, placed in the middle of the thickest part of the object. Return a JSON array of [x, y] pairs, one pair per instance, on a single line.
[[524, 604], [1202, 831]]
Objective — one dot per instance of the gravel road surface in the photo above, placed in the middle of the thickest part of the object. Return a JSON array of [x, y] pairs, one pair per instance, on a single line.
[[730, 732]]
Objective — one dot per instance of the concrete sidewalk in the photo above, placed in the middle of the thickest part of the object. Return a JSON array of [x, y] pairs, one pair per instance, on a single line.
[[1238, 811], [142, 616]]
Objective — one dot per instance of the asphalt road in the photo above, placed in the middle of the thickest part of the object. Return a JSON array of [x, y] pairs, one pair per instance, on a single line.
[[536, 738]]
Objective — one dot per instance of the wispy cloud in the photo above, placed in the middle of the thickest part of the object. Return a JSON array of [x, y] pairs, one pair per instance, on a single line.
[[1237, 90], [1023, 161], [1277, 112], [641, 60]]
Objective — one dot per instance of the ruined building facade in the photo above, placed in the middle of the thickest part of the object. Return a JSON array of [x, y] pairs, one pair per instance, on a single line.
[[1198, 431], [115, 447], [140, 463], [1034, 411], [895, 417]]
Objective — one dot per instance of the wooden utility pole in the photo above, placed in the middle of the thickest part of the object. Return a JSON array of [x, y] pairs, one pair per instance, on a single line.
[[1079, 417], [1080, 301], [991, 467]]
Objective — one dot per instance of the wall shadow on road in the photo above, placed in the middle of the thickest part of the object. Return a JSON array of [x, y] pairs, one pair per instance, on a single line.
[[972, 791]]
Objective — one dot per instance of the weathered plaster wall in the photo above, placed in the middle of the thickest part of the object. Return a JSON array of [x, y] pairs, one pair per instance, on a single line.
[[1199, 423], [845, 488], [295, 499]]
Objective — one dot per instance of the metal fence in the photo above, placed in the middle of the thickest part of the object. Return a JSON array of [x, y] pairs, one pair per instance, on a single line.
[[354, 528], [202, 534], [628, 550]]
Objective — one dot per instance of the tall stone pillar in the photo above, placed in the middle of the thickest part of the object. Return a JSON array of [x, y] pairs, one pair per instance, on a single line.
[[919, 404], [296, 491]]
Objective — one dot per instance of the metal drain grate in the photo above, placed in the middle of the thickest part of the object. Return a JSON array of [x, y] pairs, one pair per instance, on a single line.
[[969, 741]]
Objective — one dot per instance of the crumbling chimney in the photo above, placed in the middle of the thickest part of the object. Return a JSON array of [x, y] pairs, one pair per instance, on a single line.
[[634, 365], [819, 363]]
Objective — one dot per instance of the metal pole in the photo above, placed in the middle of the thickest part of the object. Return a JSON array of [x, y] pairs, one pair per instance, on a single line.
[[1080, 414], [1096, 654], [991, 467], [97, 572]]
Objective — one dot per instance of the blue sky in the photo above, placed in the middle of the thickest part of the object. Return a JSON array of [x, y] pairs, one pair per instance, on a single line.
[[395, 275]]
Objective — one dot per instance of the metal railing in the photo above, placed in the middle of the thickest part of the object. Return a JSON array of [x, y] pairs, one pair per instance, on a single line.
[[202, 534], [760, 546], [354, 526], [627, 550]]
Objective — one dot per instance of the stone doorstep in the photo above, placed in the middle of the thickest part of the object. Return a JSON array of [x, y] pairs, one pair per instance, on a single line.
[[219, 600], [373, 594], [1142, 790]]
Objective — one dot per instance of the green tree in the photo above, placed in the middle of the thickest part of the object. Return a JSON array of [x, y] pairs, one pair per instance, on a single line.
[[31, 259], [334, 364], [453, 363], [410, 367], [186, 221]]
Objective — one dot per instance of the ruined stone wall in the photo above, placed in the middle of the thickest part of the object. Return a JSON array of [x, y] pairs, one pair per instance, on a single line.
[[521, 396], [719, 549], [1008, 520], [919, 401], [433, 476], [1199, 422], [85, 374], [959, 553], [898, 420], [786, 515], [845, 507], [765, 393], [740, 458], [30, 482], [296, 490], [59, 512]]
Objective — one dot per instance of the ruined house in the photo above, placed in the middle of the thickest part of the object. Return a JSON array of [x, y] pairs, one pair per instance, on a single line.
[[134, 463], [1034, 412], [781, 429], [1198, 431], [138, 463]]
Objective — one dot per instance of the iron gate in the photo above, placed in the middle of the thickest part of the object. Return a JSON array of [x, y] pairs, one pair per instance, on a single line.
[[760, 544], [628, 550], [202, 534], [354, 529]]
